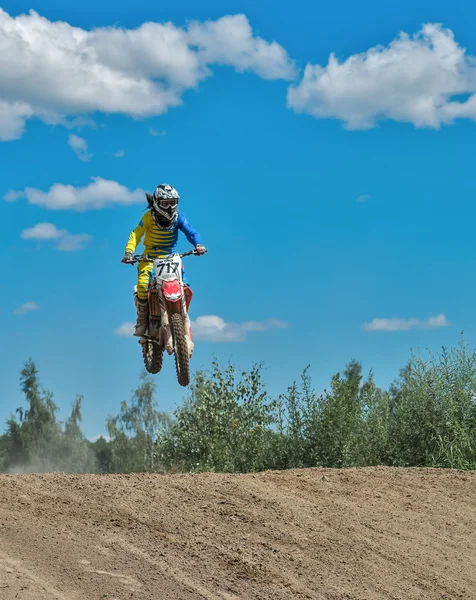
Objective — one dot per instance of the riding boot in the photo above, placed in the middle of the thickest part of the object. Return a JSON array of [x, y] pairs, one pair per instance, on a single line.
[[142, 307]]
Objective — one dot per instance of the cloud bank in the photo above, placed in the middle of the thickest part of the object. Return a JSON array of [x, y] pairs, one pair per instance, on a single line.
[[53, 70], [415, 79]]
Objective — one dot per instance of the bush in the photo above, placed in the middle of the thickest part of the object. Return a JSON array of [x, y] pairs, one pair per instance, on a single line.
[[223, 426], [433, 420]]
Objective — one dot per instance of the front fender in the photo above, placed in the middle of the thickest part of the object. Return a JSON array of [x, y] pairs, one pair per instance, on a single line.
[[173, 294]]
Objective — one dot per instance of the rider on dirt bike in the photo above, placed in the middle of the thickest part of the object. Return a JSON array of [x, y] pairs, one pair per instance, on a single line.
[[160, 225]]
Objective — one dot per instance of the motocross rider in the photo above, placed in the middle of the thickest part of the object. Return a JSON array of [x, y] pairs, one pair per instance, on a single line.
[[161, 226]]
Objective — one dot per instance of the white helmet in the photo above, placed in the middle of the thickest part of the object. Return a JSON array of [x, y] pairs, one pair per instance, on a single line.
[[164, 205]]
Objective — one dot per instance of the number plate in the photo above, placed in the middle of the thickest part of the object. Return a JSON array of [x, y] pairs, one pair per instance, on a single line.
[[168, 268]]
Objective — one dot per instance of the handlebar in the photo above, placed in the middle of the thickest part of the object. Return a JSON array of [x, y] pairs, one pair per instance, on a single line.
[[145, 258]]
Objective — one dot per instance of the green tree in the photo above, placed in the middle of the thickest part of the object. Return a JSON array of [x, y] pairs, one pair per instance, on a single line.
[[373, 441], [334, 434], [102, 450], [298, 413], [36, 441], [134, 430]]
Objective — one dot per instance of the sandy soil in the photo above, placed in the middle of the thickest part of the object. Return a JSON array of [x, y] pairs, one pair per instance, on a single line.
[[357, 534]]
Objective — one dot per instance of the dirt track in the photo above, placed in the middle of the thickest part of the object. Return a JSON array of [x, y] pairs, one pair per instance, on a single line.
[[354, 534]]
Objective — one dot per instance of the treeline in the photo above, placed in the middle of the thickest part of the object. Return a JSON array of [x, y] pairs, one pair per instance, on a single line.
[[230, 423]]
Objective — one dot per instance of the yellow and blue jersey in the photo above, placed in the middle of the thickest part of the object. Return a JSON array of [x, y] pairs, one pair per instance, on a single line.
[[160, 242]]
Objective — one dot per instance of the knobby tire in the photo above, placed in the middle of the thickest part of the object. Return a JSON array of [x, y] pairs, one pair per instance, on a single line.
[[153, 356], [182, 366]]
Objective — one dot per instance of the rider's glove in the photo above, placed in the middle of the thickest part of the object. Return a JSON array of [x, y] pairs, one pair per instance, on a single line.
[[127, 257], [200, 249]]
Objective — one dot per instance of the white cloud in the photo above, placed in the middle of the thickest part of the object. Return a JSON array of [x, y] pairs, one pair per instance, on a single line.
[[53, 70], [156, 133], [438, 321], [13, 196], [212, 328], [125, 330], [25, 308], [80, 147], [119, 154], [73, 242], [12, 118], [230, 41], [66, 242], [98, 194], [414, 80], [79, 123], [363, 198], [397, 324], [43, 231]]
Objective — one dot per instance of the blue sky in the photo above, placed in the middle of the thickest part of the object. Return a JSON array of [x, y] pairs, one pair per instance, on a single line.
[[336, 198]]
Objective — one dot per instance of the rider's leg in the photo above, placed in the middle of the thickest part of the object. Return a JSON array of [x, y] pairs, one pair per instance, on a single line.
[[141, 297]]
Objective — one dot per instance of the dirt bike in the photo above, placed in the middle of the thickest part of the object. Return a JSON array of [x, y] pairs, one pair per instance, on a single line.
[[169, 327]]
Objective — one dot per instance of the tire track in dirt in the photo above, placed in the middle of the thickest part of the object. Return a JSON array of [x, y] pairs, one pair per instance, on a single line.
[[358, 534], [17, 580]]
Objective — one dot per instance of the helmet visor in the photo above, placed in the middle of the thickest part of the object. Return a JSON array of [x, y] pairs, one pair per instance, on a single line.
[[168, 202]]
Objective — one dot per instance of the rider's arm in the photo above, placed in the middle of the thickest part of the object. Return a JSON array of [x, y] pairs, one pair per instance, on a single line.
[[135, 237], [190, 233]]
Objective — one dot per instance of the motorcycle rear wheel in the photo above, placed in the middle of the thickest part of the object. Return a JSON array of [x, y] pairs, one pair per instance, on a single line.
[[153, 356]]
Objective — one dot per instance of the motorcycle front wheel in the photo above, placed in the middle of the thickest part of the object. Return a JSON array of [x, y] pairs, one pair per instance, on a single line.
[[182, 366]]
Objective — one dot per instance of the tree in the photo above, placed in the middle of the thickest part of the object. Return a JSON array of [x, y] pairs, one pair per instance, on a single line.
[[134, 430], [102, 450], [35, 440]]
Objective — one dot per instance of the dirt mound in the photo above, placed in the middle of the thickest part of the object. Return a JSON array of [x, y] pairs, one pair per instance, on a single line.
[[314, 533]]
